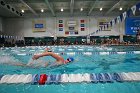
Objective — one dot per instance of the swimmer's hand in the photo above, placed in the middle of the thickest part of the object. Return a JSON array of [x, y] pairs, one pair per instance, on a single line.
[[48, 50], [35, 57]]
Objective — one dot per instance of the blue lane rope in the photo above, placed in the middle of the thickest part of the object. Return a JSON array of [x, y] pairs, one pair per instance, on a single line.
[[61, 78]]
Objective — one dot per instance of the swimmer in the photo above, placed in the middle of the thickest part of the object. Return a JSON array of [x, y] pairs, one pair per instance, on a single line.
[[59, 59], [40, 63]]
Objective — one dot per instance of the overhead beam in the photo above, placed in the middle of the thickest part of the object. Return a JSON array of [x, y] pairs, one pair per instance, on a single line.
[[93, 6], [71, 6], [29, 7], [18, 1], [112, 8], [50, 7]]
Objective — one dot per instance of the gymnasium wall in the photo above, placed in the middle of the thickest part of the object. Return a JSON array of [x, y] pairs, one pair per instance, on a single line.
[[23, 27]]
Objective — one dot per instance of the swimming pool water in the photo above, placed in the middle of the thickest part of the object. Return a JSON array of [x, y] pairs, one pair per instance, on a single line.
[[83, 64]]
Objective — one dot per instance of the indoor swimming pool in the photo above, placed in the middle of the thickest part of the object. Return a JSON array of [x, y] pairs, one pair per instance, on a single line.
[[87, 60]]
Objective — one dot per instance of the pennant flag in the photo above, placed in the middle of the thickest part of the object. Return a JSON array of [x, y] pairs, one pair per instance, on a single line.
[[121, 17], [6, 36], [97, 31], [113, 22], [138, 7], [133, 8], [118, 19], [107, 25], [128, 12], [104, 27], [124, 15], [101, 27]]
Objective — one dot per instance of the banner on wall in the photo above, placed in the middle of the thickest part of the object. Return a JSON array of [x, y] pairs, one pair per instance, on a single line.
[[132, 25], [82, 25], [38, 25], [102, 23], [71, 27], [60, 25]]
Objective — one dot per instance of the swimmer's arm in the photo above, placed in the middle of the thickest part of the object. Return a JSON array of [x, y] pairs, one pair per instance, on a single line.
[[41, 55], [21, 64]]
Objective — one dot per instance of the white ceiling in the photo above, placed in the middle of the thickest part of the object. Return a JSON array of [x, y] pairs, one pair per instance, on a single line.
[[71, 7]]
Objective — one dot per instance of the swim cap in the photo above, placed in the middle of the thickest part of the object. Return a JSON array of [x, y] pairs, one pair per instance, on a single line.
[[70, 59]]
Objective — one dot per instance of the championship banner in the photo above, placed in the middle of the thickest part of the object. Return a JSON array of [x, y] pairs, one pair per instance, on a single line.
[[102, 23], [60, 25], [38, 25], [82, 25], [132, 25], [71, 27]]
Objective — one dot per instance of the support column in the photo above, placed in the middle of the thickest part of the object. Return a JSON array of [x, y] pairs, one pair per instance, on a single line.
[[55, 33], [88, 36], [121, 37], [121, 31]]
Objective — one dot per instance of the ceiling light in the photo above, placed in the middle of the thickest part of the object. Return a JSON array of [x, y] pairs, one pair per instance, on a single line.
[[62, 10], [42, 10], [22, 11], [81, 9], [120, 8], [101, 9]]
